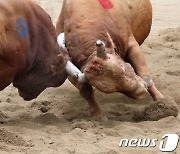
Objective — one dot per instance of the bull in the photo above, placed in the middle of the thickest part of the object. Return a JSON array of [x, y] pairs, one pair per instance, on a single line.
[[30, 56], [103, 39]]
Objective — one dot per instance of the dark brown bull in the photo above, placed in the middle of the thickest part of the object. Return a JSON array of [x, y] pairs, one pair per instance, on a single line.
[[29, 49], [103, 38]]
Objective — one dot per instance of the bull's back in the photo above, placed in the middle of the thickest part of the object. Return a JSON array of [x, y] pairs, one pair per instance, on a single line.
[[21, 20], [23, 34], [86, 21], [13, 38], [138, 14]]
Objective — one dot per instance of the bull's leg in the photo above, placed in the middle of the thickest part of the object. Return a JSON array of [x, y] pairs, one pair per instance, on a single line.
[[7, 74], [136, 58], [87, 93]]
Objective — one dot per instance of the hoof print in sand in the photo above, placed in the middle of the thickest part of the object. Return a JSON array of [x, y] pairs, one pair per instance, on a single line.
[[157, 110]]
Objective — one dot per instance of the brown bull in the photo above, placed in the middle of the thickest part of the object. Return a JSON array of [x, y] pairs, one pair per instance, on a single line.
[[103, 38], [29, 49]]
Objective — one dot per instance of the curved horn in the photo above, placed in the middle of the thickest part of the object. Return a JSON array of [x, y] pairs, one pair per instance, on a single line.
[[100, 47], [75, 73], [61, 40]]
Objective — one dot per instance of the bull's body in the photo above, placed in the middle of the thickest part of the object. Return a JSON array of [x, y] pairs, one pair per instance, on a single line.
[[28, 48], [128, 23], [87, 21]]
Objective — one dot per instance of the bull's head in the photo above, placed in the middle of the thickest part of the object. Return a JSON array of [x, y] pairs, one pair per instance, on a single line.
[[48, 71], [108, 72]]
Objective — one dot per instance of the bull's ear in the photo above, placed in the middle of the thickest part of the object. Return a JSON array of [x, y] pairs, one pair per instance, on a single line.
[[109, 42]]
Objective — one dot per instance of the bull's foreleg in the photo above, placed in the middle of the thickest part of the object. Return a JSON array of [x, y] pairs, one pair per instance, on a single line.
[[136, 57], [7, 74], [87, 93]]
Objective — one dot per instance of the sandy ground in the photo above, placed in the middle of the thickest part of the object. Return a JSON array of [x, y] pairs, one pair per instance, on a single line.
[[58, 121]]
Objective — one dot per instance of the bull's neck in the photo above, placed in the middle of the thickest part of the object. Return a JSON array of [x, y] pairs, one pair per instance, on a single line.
[[81, 43]]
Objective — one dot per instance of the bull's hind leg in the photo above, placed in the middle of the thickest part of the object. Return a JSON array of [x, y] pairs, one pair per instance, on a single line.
[[136, 57], [87, 93]]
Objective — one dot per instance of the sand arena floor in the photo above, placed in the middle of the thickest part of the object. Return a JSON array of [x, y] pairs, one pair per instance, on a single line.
[[58, 121]]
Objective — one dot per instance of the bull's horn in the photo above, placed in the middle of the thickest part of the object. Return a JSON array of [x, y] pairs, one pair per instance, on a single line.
[[100, 47], [61, 40], [81, 78], [75, 73]]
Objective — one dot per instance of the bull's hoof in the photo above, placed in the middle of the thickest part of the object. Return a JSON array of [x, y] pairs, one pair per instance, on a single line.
[[99, 117], [157, 110]]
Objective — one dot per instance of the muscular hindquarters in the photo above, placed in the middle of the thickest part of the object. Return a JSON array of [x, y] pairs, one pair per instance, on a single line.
[[139, 15]]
